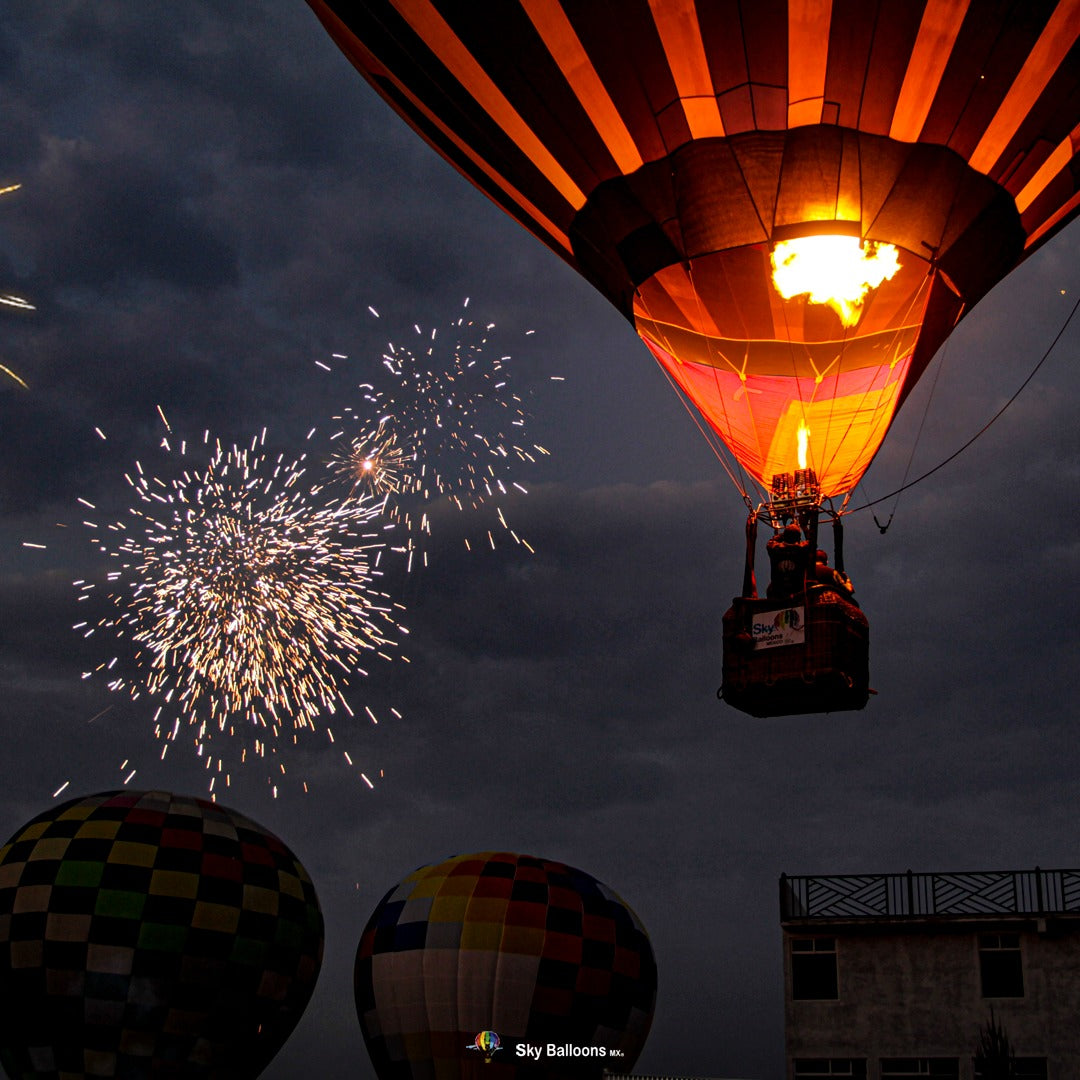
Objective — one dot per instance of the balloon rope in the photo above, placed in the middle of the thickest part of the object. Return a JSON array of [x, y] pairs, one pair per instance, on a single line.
[[986, 427], [913, 303], [712, 446], [872, 433], [915, 445], [703, 315]]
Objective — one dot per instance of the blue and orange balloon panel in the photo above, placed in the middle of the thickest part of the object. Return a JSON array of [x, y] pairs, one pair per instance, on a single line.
[[149, 934], [509, 947]]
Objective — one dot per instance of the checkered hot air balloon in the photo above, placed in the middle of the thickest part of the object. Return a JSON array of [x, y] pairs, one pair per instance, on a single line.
[[529, 950], [144, 934]]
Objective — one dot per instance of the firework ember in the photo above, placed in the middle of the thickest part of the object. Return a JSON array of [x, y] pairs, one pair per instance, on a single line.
[[248, 604], [13, 301], [441, 422], [373, 462]]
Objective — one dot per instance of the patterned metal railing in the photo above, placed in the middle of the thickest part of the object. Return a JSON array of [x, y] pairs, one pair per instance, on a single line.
[[910, 895]]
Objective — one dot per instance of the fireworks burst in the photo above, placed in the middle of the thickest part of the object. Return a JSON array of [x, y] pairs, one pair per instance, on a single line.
[[445, 421], [249, 606], [373, 463], [13, 301]]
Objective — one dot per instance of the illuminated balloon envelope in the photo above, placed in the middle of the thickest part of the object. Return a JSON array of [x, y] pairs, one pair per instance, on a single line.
[[147, 934], [680, 154], [466, 963]]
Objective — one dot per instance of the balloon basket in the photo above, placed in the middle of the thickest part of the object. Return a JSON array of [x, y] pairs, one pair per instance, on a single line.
[[808, 653]]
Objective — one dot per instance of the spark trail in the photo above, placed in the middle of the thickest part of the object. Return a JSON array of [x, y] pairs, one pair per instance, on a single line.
[[13, 301], [439, 420], [249, 603]]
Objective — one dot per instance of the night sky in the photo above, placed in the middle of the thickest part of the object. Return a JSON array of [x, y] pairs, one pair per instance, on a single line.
[[211, 201]]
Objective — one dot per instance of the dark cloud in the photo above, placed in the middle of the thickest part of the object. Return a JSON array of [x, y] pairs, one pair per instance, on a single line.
[[212, 201]]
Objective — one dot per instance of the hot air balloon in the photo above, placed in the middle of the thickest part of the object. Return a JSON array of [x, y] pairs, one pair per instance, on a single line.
[[148, 934], [792, 201], [498, 966]]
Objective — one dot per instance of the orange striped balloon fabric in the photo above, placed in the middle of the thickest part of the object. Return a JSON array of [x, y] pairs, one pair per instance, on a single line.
[[667, 148]]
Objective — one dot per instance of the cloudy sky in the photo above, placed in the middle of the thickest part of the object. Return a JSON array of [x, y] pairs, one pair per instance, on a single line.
[[210, 204]]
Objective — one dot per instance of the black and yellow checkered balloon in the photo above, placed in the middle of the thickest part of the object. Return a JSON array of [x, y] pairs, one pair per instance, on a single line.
[[144, 934]]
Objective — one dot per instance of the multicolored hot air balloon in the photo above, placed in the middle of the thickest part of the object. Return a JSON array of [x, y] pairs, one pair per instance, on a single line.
[[148, 934], [535, 964], [793, 201]]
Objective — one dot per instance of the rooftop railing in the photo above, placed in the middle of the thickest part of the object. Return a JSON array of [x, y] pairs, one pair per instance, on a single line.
[[911, 895]]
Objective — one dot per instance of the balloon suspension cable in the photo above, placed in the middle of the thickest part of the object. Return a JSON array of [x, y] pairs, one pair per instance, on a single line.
[[982, 431], [749, 587], [739, 486], [883, 529]]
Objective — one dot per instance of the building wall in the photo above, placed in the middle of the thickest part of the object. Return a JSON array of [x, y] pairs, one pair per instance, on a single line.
[[912, 989]]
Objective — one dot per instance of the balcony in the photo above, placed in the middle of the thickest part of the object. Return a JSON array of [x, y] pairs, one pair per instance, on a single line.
[[1032, 893]]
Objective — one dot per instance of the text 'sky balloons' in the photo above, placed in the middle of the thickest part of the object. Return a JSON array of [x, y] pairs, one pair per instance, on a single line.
[[147, 934], [691, 158], [464, 963]]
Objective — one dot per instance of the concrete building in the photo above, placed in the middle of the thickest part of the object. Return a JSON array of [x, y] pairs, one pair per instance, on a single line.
[[895, 975]]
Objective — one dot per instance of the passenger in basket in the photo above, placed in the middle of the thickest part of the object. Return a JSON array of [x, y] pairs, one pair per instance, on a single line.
[[825, 575], [788, 557]]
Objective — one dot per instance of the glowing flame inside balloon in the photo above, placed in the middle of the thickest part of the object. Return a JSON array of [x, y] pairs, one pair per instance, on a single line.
[[834, 270], [804, 442]]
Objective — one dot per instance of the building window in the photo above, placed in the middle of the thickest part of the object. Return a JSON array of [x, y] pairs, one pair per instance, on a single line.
[[912, 1067], [1029, 1068], [818, 1067], [999, 965], [1024, 1068], [813, 970]]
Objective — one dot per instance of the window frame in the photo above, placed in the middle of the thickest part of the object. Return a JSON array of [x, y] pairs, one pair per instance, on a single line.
[[919, 1067], [855, 1068], [821, 946], [1034, 1068], [1029, 1065], [1000, 962]]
